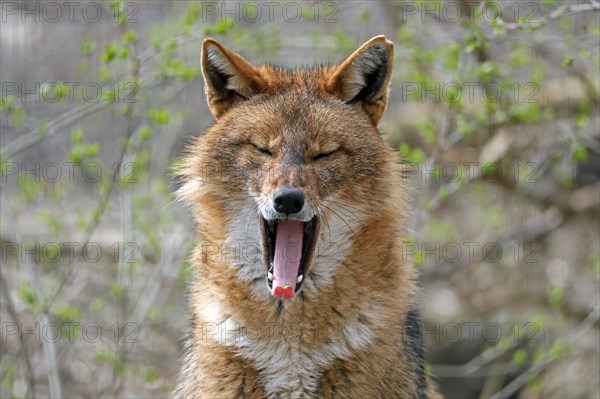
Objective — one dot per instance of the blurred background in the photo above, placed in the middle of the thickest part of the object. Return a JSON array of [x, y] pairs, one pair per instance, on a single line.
[[494, 108]]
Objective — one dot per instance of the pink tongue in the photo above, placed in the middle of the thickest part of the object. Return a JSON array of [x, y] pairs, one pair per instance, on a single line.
[[288, 251]]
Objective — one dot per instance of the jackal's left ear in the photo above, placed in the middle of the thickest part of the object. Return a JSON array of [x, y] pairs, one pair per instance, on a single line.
[[228, 77], [363, 78]]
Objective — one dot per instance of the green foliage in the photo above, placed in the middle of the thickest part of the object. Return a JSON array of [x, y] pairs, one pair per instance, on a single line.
[[81, 151], [7, 102], [535, 384], [365, 16], [192, 15], [519, 357], [556, 296], [30, 187], [440, 231], [160, 116], [145, 132], [428, 130], [52, 221], [412, 155], [98, 305], [87, 46], [8, 372], [67, 313], [113, 359], [130, 36], [151, 375], [119, 9], [9, 105], [176, 68], [344, 42], [405, 35], [579, 153], [222, 27], [117, 290], [114, 51], [27, 294], [558, 350]]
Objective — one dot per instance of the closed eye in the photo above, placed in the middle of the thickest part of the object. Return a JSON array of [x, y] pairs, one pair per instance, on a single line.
[[263, 151], [324, 155]]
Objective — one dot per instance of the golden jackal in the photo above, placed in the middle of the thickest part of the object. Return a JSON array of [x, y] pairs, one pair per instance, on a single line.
[[300, 288]]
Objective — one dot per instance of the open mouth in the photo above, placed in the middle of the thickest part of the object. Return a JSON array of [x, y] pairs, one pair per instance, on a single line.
[[288, 246]]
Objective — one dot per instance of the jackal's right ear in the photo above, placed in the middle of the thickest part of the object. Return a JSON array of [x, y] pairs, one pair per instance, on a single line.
[[228, 77]]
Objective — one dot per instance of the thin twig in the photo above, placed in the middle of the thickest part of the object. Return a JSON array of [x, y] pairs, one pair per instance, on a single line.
[[23, 347], [537, 368]]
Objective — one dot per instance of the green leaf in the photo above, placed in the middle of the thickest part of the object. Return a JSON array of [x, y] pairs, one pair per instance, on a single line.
[[110, 52], [68, 313], [98, 305], [87, 46], [412, 155], [160, 116], [145, 132], [405, 34], [151, 375], [365, 16], [556, 296], [113, 359], [43, 127], [105, 75], [192, 15], [54, 92], [130, 36], [18, 117], [117, 290], [27, 294], [30, 187], [558, 350], [7, 102], [428, 131], [220, 28], [462, 126], [519, 357], [567, 61], [579, 153], [518, 58], [452, 57], [52, 221], [343, 41], [535, 384]]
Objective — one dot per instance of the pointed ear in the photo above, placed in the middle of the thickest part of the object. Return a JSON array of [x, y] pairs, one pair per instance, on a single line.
[[228, 77], [363, 78]]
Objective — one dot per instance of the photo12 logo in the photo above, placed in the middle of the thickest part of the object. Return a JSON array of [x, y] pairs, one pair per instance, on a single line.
[[270, 11], [53, 332], [67, 172], [68, 11], [470, 92], [71, 92], [470, 10], [68, 252]]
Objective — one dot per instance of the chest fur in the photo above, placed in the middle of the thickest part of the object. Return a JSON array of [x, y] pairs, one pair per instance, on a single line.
[[289, 355]]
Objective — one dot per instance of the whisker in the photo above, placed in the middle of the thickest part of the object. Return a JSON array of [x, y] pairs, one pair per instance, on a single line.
[[343, 220]]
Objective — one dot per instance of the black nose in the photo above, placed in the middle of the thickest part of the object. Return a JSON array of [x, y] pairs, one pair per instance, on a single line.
[[288, 200]]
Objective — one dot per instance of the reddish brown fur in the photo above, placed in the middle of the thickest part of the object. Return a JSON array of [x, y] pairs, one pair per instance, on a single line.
[[297, 115]]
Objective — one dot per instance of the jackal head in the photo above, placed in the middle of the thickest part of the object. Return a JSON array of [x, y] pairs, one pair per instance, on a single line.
[[298, 152]]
